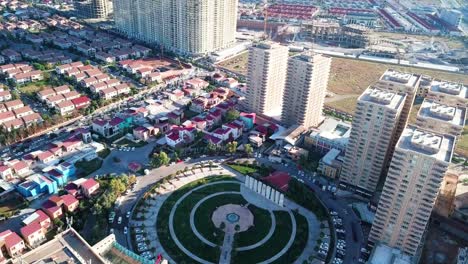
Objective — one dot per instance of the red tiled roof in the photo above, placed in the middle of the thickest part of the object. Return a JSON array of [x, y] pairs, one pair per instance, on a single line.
[[42, 216], [100, 122], [30, 229], [279, 179], [89, 183], [12, 240], [116, 121], [68, 199], [81, 100]]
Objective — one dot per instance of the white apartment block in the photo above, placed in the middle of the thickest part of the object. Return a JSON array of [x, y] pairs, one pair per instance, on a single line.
[[402, 83], [420, 160], [93, 8], [449, 93], [189, 27], [441, 118], [268, 63], [374, 127], [305, 90]]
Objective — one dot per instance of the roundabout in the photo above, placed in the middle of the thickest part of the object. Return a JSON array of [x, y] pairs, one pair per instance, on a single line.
[[214, 219]]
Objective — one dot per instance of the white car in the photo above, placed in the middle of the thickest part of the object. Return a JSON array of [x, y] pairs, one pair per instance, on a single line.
[[128, 214], [125, 230], [119, 220]]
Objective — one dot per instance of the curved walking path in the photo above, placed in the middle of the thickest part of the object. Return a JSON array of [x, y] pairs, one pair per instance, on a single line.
[[194, 210], [265, 239], [171, 220], [288, 245]]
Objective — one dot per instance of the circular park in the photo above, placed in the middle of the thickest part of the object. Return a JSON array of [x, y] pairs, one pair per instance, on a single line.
[[218, 219]]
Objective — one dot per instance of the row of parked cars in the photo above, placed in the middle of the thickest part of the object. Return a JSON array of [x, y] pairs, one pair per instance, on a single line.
[[142, 247]]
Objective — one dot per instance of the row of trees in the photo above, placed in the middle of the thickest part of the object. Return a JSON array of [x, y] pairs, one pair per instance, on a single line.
[[115, 188]]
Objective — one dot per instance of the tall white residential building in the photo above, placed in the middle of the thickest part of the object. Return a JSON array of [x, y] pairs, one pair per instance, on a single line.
[[448, 93], [374, 127], [305, 90], [401, 83], [420, 160], [266, 77], [93, 8], [441, 118], [189, 27]]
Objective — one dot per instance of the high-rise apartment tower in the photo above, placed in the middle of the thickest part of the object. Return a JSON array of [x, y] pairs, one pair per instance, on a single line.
[[305, 90], [374, 127], [266, 77], [189, 27], [99, 9], [420, 161]]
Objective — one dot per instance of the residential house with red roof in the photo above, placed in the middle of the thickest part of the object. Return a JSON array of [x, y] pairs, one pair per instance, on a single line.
[[53, 207], [179, 136], [32, 118], [89, 187], [81, 102], [65, 107], [5, 96], [23, 111], [46, 157], [19, 167], [13, 243], [6, 172], [13, 124], [15, 104], [70, 203], [71, 144], [141, 133], [33, 234], [197, 83], [7, 116]]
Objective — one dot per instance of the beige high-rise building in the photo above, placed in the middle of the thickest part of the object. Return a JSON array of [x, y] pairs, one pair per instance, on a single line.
[[448, 93], [441, 118], [189, 27], [402, 83], [374, 127], [305, 90], [418, 166], [266, 77], [99, 9]]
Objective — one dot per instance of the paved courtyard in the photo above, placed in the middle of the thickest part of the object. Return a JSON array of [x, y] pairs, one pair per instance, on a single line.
[[236, 218]]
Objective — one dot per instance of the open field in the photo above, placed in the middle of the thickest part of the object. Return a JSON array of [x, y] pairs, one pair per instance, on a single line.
[[33, 87], [349, 76], [237, 63]]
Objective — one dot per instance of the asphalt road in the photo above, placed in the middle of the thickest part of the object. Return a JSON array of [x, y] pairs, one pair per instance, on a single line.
[[144, 182]]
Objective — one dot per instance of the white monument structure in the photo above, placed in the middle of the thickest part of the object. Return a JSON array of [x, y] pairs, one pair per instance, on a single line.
[[264, 190]]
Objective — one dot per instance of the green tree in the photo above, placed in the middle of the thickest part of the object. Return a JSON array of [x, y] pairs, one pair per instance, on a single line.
[[232, 115], [161, 159], [38, 66], [248, 149], [231, 147], [117, 186]]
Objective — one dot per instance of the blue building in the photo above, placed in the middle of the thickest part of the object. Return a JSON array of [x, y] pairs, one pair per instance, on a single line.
[[36, 185]]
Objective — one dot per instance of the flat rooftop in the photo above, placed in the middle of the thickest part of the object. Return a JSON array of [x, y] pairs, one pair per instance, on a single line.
[[383, 254], [67, 247], [333, 129], [434, 145], [441, 112], [407, 79], [380, 97], [449, 88]]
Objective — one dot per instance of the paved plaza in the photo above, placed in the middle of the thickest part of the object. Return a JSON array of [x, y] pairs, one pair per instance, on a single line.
[[230, 218]]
